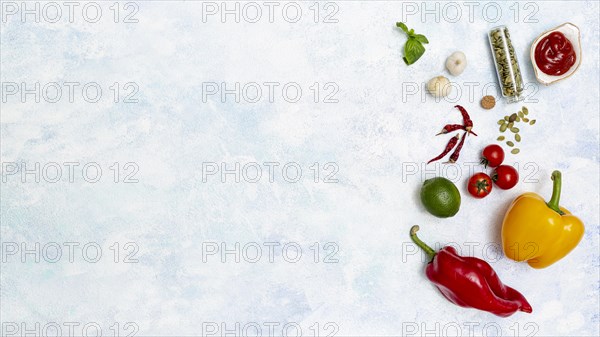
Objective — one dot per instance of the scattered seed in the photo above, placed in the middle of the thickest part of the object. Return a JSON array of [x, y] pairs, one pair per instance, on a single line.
[[508, 124]]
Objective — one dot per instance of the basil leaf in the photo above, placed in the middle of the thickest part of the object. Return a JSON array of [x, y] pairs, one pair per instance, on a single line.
[[421, 38], [402, 26], [413, 50]]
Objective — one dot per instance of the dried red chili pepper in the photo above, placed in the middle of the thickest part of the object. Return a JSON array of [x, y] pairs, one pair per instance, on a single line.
[[456, 153], [453, 127], [451, 144], [470, 282], [467, 122]]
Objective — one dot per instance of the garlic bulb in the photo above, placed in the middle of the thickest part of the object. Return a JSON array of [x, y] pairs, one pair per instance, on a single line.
[[456, 63], [439, 86]]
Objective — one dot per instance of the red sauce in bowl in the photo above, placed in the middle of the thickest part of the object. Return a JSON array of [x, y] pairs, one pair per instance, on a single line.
[[554, 54]]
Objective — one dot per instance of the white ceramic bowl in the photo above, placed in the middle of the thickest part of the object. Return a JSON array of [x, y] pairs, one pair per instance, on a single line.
[[571, 32]]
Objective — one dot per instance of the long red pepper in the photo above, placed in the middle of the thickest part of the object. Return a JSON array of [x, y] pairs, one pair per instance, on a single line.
[[467, 122], [453, 127], [451, 144], [470, 282], [456, 153]]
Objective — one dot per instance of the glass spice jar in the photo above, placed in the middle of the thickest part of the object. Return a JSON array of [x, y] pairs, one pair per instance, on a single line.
[[507, 66]]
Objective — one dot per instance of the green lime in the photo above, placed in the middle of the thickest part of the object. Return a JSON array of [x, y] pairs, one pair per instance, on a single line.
[[440, 197]]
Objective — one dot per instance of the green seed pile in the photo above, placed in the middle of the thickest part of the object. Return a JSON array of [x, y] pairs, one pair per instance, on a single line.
[[508, 123]]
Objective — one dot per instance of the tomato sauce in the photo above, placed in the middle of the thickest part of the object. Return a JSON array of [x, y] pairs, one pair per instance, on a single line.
[[554, 54]]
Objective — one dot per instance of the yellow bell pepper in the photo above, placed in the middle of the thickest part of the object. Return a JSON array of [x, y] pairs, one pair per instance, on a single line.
[[538, 232]]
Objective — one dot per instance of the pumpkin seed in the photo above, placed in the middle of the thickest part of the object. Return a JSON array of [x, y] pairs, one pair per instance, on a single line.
[[515, 151], [532, 122], [503, 127], [507, 67], [501, 138], [514, 130], [518, 137], [509, 143]]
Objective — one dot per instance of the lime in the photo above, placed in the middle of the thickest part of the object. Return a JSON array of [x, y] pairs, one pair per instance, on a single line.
[[440, 197]]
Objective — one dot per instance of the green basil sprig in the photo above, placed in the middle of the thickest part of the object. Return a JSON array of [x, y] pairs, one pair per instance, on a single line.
[[413, 49]]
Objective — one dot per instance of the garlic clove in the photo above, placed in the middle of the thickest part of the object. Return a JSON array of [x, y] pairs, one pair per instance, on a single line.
[[439, 86], [456, 63]]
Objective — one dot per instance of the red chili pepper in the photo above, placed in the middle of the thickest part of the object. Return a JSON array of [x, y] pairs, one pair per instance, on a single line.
[[453, 127], [451, 144], [456, 153], [470, 282], [467, 122]]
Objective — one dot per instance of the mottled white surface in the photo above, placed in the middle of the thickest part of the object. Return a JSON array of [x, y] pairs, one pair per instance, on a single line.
[[372, 133]]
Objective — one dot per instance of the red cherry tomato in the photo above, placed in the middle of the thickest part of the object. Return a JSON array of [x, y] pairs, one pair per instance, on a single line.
[[505, 176], [493, 156], [480, 185]]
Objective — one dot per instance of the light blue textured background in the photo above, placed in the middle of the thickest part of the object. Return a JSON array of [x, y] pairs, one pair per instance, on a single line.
[[372, 134]]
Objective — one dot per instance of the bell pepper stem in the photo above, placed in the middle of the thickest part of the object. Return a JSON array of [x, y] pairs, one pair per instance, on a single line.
[[554, 202], [428, 250]]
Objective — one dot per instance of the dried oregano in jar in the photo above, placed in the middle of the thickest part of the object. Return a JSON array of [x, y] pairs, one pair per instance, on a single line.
[[507, 66]]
